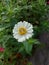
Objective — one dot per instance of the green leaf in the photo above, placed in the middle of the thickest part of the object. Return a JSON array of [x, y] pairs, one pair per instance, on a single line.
[[4, 39], [1, 63], [21, 49], [29, 63], [29, 44], [33, 41], [4, 26], [41, 2], [28, 47], [1, 55]]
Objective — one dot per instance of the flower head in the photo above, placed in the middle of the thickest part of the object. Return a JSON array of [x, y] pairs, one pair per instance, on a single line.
[[1, 49], [22, 31], [48, 2]]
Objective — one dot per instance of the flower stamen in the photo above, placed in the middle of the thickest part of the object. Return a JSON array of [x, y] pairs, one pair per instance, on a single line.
[[22, 31]]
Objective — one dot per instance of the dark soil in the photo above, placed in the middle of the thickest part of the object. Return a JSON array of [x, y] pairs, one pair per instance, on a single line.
[[41, 55]]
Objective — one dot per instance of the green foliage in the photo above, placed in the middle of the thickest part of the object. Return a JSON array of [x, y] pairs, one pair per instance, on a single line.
[[29, 63], [1, 63], [13, 11], [41, 2], [45, 26]]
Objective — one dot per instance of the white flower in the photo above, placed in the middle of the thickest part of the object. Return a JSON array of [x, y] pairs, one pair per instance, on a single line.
[[22, 31]]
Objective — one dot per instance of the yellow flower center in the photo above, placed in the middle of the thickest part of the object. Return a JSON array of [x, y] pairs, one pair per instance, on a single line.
[[22, 30]]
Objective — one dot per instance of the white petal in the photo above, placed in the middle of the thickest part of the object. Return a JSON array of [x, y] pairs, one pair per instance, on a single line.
[[29, 28], [21, 39], [15, 28], [16, 36], [30, 31], [29, 25], [25, 23], [20, 24], [28, 36], [15, 31]]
